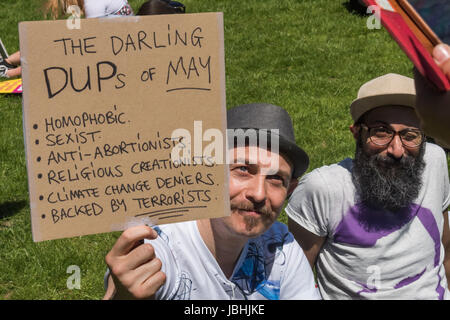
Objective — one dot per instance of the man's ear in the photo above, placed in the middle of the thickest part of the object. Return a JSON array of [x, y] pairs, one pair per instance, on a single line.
[[354, 129], [292, 185]]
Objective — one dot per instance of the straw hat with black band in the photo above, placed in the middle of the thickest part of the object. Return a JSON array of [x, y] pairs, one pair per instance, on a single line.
[[388, 90]]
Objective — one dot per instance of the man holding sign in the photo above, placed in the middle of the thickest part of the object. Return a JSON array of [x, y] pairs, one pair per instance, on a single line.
[[247, 255], [94, 164]]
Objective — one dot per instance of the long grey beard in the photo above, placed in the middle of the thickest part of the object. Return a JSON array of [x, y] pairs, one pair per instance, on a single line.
[[385, 182]]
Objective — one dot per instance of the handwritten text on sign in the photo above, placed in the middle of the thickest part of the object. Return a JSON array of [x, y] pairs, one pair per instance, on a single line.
[[100, 108], [189, 67]]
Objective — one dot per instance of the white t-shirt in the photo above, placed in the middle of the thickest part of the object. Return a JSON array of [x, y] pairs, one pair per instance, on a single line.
[[271, 266], [105, 8], [403, 262]]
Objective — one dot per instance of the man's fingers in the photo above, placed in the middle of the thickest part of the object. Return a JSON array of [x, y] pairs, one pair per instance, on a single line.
[[133, 264], [445, 66], [153, 283], [127, 241], [140, 255], [147, 270], [441, 54], [156, 281], [146, 280]]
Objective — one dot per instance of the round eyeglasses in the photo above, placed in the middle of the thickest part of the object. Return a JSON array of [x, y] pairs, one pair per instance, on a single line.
[[383, 136]]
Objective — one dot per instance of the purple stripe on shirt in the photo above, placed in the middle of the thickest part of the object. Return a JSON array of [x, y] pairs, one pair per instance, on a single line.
[[363, 226], [439, 289], [429, 222], [366, 288], [426, 217], [409, 280]]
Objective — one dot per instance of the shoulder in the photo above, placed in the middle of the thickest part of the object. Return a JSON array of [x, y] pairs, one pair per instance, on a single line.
[[329, 173], [276, 229], [325, 179], [288, 264], [342, 168], [277, 236], [434, 153], [435, 161]]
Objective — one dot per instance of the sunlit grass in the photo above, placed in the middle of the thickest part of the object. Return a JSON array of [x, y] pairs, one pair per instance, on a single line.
[[308, 56]]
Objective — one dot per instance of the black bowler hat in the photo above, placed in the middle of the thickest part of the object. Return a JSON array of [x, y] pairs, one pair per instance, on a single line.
[[264, 116]]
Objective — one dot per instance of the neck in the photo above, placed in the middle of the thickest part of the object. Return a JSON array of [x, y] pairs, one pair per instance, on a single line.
[[224, 246]]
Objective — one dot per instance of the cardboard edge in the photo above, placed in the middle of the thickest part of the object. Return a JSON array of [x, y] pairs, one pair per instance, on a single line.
[[25, 29], [226, 191], [419, 56], [23, 35]]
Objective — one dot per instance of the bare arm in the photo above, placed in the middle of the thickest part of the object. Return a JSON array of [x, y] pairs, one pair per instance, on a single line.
[[446, 244], [310, 243], [16, 72], [433, 107], [14, 58]]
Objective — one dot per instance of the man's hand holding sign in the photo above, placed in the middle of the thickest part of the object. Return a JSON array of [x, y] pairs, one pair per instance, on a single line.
[[134, 267]]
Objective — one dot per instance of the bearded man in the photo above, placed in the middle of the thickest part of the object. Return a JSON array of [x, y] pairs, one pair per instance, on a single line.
[[376, 227]]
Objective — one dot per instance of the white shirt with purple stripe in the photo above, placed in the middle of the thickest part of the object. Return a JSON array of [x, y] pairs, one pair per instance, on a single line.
[[387, 261]]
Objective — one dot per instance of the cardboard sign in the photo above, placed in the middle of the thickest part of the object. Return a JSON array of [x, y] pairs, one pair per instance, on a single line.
[[411, 39], [11, 86], [106, 108]]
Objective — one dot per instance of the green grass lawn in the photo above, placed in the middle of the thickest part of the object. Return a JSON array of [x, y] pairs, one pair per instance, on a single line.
[[308, 56]]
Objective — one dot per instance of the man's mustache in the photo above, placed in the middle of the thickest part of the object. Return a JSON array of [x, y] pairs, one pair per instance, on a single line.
[[390, 164], [263, 210]]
